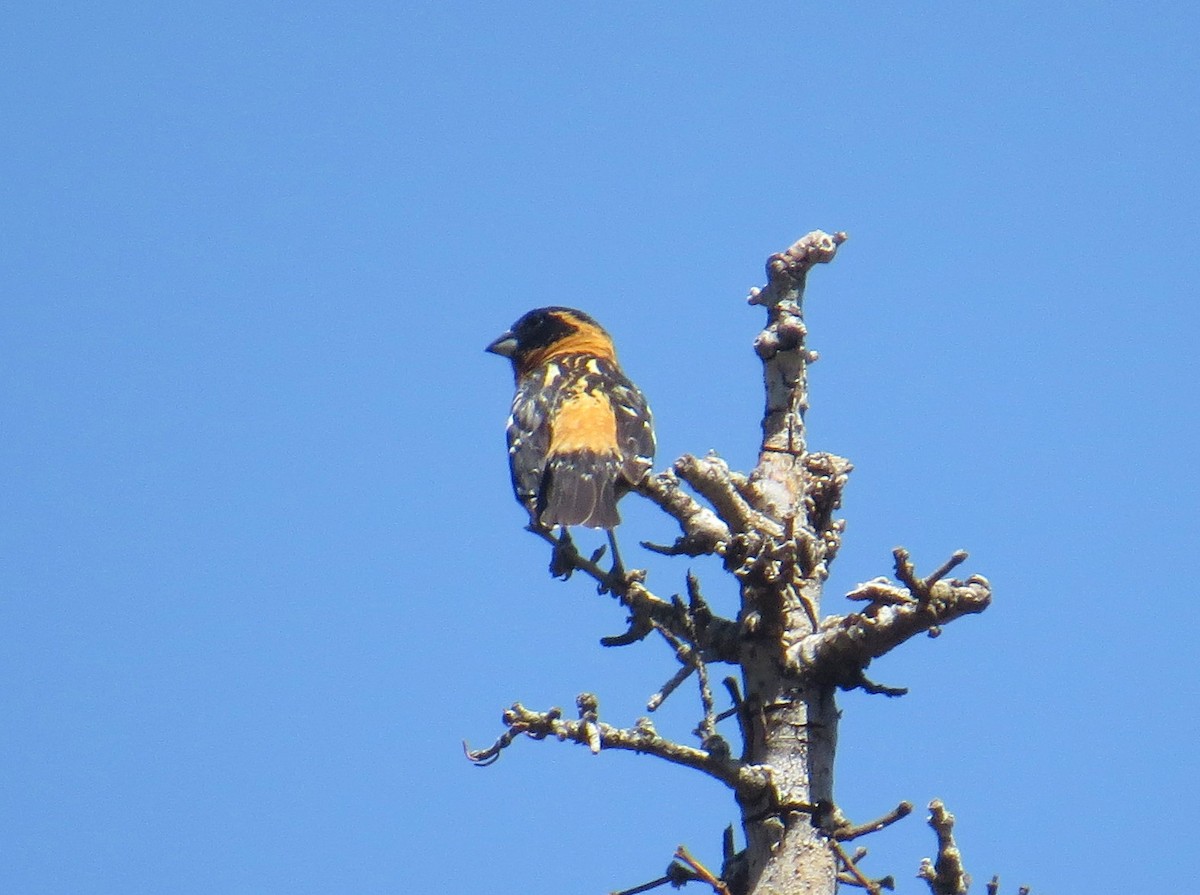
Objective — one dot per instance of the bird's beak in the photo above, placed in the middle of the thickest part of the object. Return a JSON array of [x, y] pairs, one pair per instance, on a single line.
[[505, 346]]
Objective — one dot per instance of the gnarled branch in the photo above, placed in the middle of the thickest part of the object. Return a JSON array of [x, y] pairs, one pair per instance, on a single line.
[[945, 874], [703, 531], [749, 781], [845, 645], [717, 637]]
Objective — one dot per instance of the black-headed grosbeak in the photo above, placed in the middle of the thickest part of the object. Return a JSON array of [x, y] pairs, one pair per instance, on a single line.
[[580, 434]]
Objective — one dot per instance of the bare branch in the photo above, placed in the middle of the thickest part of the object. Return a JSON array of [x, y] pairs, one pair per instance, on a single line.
[[887, 882], [712, 479], [845, 645], [867, 685], [707, 728], [856, 876], [786, 271], [718, 637], [907, 574], [677, 875], [748, 780], [920, 587], [901, 811], [639, 626], [702, 872], [645, 887], [738, 710], [884, 882], [945, 875], [956, 559], [670, 686], [703, 531]]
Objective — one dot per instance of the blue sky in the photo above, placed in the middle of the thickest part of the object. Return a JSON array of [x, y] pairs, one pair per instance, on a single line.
[[261, 571]]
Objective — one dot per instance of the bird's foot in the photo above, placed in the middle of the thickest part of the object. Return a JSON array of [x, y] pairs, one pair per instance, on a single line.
[[563, 556]]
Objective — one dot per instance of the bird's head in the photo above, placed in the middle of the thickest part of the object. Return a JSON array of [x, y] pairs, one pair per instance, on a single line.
[[546, 333]]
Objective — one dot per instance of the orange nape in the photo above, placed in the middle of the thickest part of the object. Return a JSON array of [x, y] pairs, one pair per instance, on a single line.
[[587, 339]]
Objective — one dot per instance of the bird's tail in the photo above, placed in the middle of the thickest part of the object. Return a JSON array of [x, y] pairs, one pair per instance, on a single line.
[[580, 488]]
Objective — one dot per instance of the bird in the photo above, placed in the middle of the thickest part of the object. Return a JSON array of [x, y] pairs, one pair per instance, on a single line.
[[580, 434]]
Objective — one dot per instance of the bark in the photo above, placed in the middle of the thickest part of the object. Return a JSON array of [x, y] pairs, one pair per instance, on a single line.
[[794, 722]]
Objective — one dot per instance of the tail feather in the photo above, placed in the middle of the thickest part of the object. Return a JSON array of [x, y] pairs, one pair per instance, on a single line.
[[580, 489]]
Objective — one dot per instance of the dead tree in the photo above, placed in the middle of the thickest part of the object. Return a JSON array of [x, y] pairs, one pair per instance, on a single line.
[[776, 533]]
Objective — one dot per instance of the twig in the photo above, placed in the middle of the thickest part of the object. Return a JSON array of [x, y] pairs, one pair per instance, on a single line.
[[669, 687], [852, 868], [721, 635], [867, 685], [737, 709], [708, 727], [946, 875], [639, 626], [645, 887], [901, 811], [702, 872], [921, 588], [692, 661], [691, 616], [956, 559], [685, 638], [698, 610], [884, 882], [906, 573], [677, 875]]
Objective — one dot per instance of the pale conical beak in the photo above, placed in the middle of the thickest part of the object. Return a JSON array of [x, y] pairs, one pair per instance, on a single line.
[[505, 346]]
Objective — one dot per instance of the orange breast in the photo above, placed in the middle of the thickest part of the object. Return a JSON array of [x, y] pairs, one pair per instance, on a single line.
[[584, 422]]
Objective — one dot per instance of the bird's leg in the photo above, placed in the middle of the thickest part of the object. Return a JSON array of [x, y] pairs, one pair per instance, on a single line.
[[618, 567]]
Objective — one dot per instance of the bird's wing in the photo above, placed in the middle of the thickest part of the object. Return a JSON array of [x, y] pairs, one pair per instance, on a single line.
[[635, 430], [529, 438]]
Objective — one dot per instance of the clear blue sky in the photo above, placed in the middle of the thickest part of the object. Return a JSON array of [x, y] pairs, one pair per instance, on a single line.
[[260, 569]]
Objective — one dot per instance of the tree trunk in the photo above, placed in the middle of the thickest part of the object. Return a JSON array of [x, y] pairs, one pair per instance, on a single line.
[[793, 722]]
